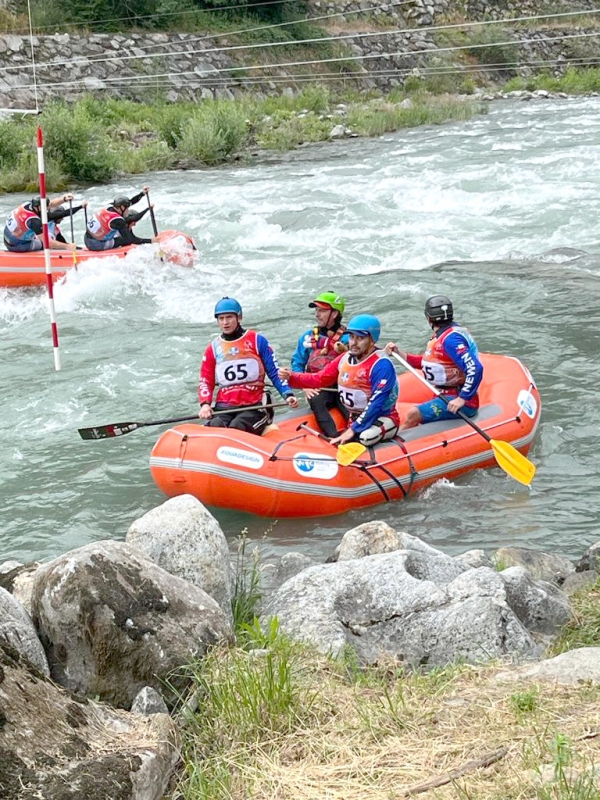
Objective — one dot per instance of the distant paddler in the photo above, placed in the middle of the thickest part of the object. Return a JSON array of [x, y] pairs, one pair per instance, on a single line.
[[111, 227], [23, 229]]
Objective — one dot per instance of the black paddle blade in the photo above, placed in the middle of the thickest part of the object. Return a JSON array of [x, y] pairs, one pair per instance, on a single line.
[[108, 431]]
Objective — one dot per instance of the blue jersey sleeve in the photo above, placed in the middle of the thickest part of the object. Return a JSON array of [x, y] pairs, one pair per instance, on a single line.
[[271, 366], [384, 393], [301, 353], [465, 355]]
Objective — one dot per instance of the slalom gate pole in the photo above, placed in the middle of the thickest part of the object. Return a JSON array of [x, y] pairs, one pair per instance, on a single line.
[[46, 239]]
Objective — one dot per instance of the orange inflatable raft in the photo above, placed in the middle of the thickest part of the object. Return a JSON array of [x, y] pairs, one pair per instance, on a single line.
[[18, 270], [290, 473]]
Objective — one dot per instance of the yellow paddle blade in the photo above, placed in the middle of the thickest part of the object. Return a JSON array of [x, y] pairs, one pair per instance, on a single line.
[[512, 462], [348, 453]]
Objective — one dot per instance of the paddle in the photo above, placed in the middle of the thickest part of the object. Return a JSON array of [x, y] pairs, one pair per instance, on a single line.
[[508, 457], [346, 453], [121, 428], [72, 232], [152, 217]]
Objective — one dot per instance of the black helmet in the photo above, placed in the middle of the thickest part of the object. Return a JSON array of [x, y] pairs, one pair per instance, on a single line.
[[439, 309], [36, 202], [121, 200]]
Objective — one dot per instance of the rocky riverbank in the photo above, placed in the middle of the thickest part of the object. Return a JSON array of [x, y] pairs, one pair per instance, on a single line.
[[96, 640]]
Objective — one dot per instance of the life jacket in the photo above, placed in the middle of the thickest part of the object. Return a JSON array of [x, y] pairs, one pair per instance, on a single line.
[[354, 383], [16, 228], [322, 348], [98, 226], [239, 370], [439, 368]]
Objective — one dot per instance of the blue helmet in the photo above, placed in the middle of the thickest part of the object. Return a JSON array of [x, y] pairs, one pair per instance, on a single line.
[[365, 325], [228, 305]]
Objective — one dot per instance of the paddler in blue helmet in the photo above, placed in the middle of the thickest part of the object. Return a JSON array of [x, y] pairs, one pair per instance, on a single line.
[[367, 383], [316, 348], [237, 363]]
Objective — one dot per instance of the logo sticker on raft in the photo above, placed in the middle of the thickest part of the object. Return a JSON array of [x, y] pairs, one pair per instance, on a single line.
[[527, 402], [313, 465], [241, 458]]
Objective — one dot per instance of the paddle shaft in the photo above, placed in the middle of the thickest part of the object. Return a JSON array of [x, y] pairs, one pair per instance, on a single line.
[[71, 220], [437, 392], [121, 428], [306, 427], [152, 217], [346, 453]]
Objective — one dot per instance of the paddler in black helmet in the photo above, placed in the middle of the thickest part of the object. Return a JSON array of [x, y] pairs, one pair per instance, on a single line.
[[111, 227]]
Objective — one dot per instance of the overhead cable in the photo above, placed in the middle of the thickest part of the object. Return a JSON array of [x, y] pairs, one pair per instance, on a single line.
[[353, 36], [342, 59]]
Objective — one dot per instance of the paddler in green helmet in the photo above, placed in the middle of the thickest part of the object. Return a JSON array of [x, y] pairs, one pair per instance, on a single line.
[[317, 347]]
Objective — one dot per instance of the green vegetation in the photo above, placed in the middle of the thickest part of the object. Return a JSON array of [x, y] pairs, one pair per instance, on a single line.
[[179, 15], [94, 141], [584, 630], [574, 81]]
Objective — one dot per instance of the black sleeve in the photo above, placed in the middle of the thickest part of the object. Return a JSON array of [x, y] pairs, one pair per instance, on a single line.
[[60, 213], [136, 198], [135, 216], [35, 224], [127, 236]]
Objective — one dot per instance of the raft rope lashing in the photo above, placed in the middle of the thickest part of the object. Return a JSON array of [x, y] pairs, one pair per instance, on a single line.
[[182, 449], [366, 468]]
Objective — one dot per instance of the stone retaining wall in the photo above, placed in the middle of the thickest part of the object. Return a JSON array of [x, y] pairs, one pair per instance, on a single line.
[[193, 67]]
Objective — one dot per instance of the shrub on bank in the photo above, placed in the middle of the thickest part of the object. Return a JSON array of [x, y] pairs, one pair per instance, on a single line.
[[93, 140], [79, 143], [213, 134], [574, 81]]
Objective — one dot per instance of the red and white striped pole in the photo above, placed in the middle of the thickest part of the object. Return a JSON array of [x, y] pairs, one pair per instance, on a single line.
[[46, 239]]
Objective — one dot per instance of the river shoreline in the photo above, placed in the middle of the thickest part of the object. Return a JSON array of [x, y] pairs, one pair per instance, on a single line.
[[98, 142]]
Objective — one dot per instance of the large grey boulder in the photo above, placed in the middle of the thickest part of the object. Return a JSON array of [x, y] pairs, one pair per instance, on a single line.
[[590, 560], [409, 604], [573, 667], [184, 538], [16, 629], [112, 622], [474, 559], [58, 747], [541, 566], [542, 607], [369, 539], [291, 564]]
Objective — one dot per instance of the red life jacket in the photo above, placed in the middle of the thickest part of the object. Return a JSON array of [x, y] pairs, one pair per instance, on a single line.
[[99, 225], [354, 382], [16, 225], [239, 370], [441, 370], [323, 348]]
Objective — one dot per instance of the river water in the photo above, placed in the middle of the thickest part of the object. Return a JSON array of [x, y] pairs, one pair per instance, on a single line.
[[501, 213]]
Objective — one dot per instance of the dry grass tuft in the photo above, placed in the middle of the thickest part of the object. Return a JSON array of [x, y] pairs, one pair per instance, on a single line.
[[381, 732]]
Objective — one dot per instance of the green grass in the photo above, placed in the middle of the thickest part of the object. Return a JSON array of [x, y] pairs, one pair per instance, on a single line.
[[584, 629]]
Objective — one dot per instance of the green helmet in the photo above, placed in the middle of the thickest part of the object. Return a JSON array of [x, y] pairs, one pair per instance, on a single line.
[[331, 299]]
